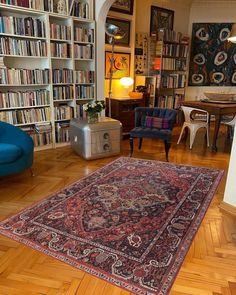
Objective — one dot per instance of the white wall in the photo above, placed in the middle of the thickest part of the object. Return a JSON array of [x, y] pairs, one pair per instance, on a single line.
[[210, 11], [181, 15]]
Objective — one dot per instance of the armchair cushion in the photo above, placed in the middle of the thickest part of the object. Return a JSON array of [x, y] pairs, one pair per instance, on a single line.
[[9, 153], [156, 122]]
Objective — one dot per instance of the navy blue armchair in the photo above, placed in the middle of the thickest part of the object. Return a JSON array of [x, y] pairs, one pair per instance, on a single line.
[[16, 150], [153, 123]]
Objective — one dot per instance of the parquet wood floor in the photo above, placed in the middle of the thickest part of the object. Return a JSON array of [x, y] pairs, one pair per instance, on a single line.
[[208, 269]]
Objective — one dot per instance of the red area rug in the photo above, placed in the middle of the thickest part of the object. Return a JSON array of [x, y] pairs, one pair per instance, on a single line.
[[130, 223]]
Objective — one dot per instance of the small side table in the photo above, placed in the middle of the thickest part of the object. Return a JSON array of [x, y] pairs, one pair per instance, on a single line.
[[98, 140]]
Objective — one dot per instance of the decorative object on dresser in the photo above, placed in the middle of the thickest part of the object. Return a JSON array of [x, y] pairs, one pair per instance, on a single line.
[[212, 59], [49, 70], [122, 109], [161, 18], [130, 223], [123, 6], [127, 82], [93, 109], [156, 123]]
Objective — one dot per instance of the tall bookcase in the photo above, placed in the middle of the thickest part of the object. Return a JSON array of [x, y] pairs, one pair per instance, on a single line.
[[47, 66], [168, 53]]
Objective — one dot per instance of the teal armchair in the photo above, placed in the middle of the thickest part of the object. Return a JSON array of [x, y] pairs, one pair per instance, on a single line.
[[16, 150]]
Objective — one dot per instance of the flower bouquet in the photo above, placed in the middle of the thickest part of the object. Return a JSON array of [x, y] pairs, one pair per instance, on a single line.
[[93, 109]]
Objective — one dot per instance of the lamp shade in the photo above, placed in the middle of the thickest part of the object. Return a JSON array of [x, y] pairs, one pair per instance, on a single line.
[[232, 37], [126, 81]]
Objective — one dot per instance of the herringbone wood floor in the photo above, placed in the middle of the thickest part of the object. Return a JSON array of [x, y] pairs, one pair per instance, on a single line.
[[209, 267]]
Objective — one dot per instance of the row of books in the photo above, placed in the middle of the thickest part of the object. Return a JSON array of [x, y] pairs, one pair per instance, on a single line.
[[24, 76], [80, 111], [169, 36], [79, 9], [84, 91], [62, 132], [173, 81], [40, 133], [26, 116], [24, 98], [173, 64], [175, 50], [84, 76], [22, 3], [62, 76], [60, 49], [64, 112], [24, 26], [83, 51], [63, 92], [170, 101], [60, 32], [45, 5], [13, 46], [83, 34]]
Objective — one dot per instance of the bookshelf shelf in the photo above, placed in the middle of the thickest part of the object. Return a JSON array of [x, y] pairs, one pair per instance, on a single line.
[[57, 68], [168, 64]]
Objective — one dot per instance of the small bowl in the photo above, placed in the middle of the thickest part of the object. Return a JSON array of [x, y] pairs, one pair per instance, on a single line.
[[219, 96]]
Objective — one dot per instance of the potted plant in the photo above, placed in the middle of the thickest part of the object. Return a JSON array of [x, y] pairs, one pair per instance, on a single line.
[[93, 109]]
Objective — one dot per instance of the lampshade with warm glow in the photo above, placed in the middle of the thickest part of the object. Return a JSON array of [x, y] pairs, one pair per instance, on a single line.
[[126, 81], [232, 37]]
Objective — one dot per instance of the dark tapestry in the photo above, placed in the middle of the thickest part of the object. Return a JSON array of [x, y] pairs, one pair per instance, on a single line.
[[213, 58]]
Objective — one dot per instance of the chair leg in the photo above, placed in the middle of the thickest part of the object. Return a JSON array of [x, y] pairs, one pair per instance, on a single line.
[[207, 134], [167, 147], [181, 133], [140, 143], [32, 172], [192, 137], [131, 143]]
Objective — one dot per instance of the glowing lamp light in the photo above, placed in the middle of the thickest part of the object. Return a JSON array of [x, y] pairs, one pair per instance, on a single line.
[[232, 37], [126, 81]]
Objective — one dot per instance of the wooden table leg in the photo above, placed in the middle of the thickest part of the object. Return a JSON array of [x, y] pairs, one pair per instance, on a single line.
[[217, 126]]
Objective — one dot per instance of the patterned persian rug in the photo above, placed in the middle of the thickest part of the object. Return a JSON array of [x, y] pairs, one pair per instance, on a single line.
[[130, 223]]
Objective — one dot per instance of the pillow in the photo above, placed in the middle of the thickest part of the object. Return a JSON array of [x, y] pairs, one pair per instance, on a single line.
[[156, 122]]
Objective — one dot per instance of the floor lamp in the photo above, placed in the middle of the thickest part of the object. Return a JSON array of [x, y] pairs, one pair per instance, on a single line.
[[114, 33]]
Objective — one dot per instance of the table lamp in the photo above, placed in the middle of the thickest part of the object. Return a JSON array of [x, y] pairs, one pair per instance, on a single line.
[[126, 82]]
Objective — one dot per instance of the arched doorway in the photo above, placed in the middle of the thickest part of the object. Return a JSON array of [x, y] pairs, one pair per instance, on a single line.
[[101, 8]]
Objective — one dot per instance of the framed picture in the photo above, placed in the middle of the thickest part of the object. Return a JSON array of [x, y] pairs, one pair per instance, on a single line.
[[161, 18], [121, 67], [125, 26], [123, 6]]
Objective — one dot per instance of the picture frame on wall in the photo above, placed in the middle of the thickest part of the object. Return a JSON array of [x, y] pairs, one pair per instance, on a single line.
[[161, 18], [123, 6], [123, 25], [121, 67]]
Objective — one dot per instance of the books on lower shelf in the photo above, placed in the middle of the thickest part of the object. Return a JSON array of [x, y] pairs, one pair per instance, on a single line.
[[61, 32], [22, 26], [62, 132], [23, 76], [62, 76], [83, 51], [40, 133], [172, 81], [63, 92], [60, 50], [170, 101], [28, 98], [13, 46], [84, 76], [83, 34], [84, 91], [26, 116], [64, 112]]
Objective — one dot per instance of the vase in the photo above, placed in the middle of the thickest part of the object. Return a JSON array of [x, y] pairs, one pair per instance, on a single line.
[[92, 118]]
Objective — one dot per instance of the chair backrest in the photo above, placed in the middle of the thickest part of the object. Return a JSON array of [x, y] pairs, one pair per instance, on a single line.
[[230, 123], [188, 114], [140, 112]]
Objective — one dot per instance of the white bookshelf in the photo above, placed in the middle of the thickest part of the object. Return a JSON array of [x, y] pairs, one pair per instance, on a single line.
[[72, 34]]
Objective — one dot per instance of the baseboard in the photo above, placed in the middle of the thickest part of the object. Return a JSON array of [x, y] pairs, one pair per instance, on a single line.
[[228, 208]]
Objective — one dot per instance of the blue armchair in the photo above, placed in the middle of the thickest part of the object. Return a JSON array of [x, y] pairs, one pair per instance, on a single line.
[[16, 150], [153, 123]]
